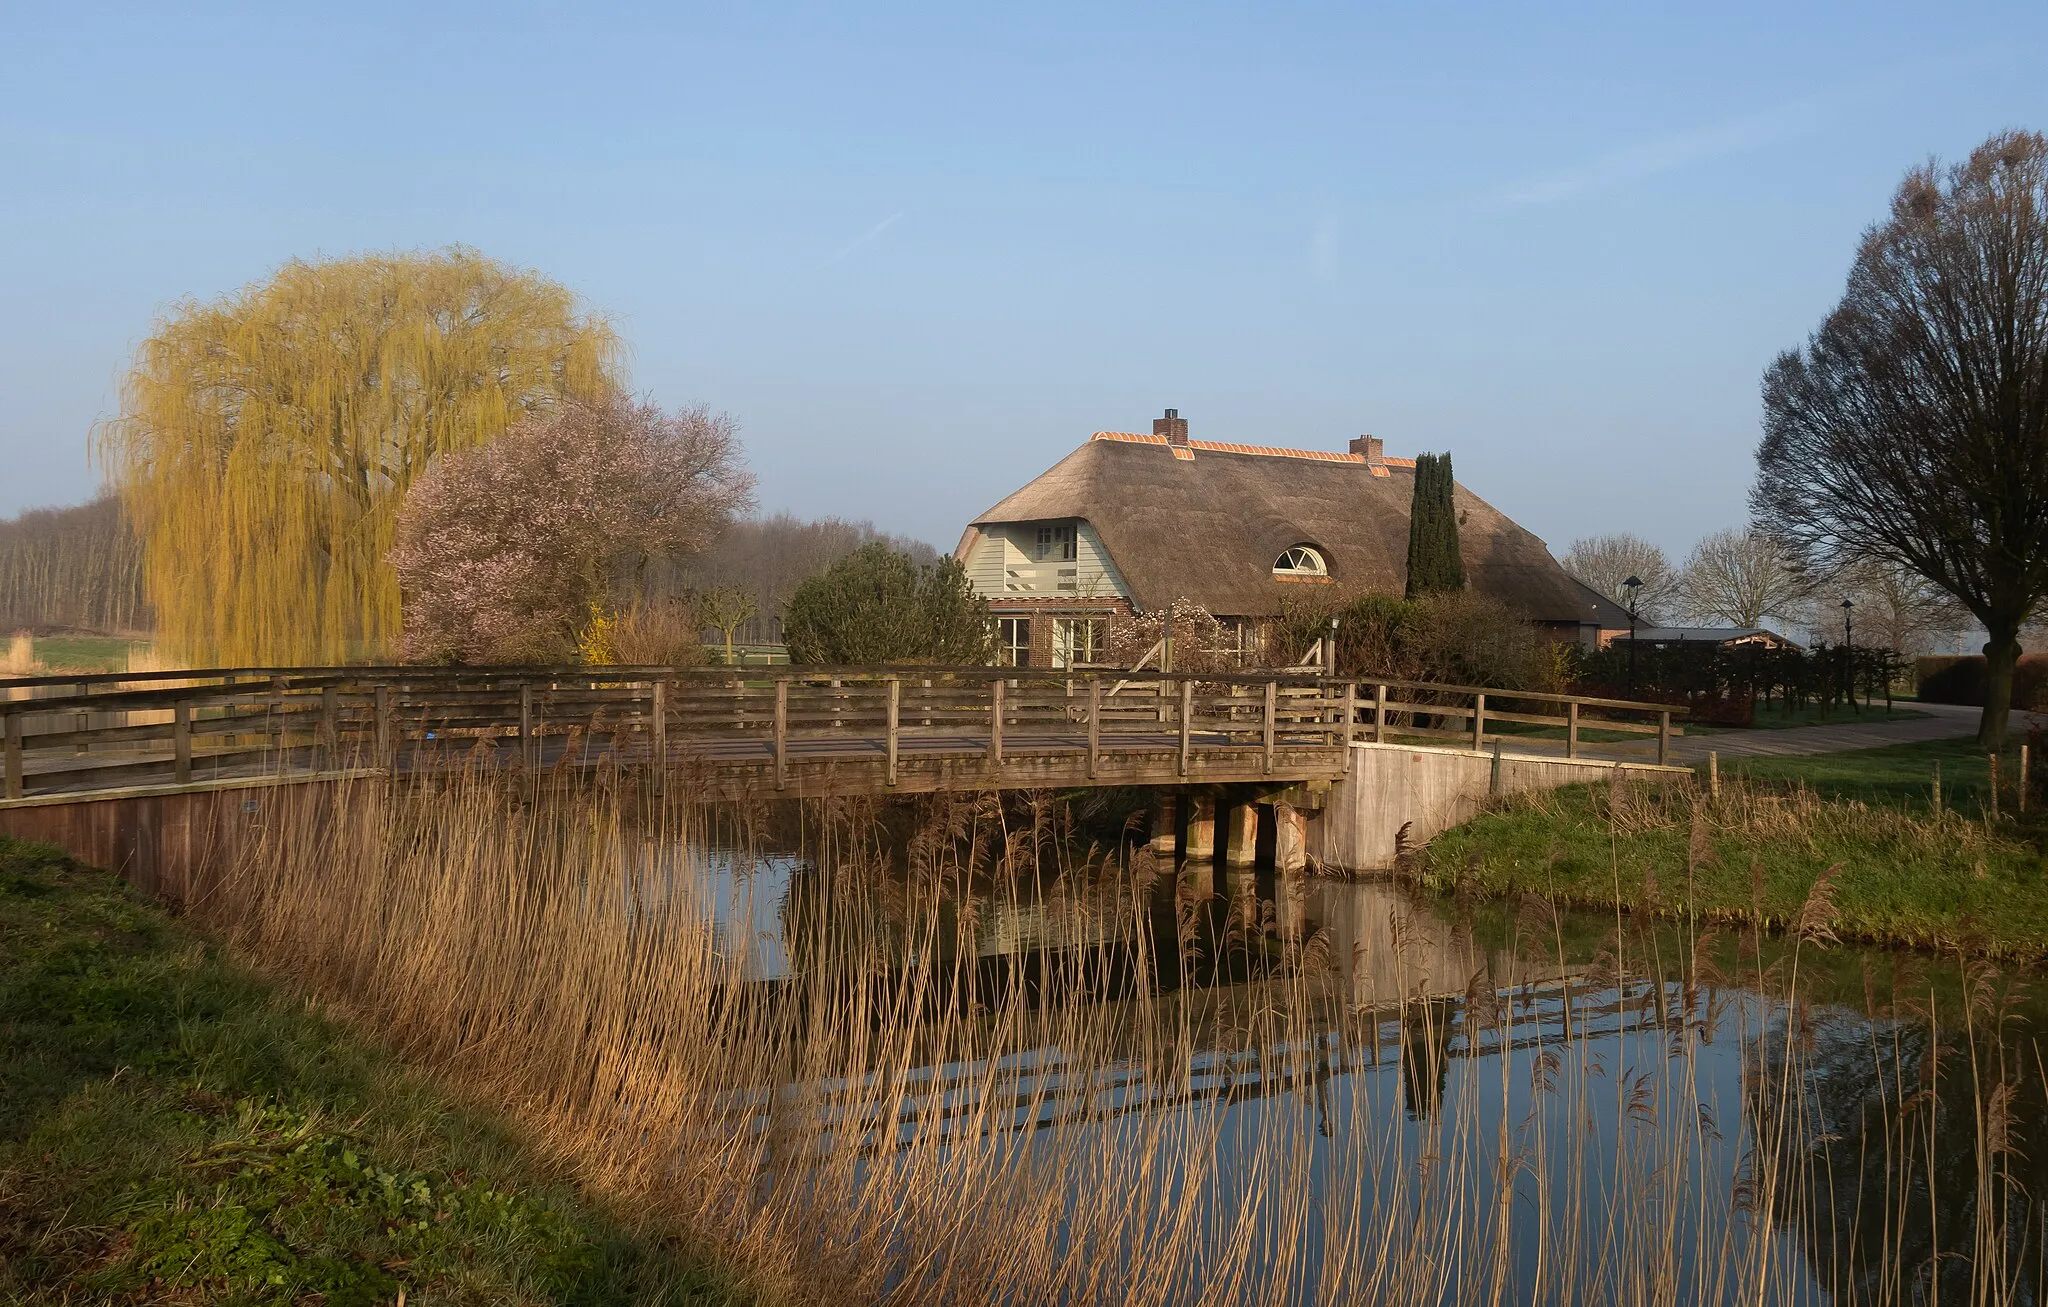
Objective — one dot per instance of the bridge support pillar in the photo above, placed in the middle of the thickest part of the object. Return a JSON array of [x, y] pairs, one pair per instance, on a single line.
[[1290, 839], [1165, 814], [1241, 848], [1201, 826]]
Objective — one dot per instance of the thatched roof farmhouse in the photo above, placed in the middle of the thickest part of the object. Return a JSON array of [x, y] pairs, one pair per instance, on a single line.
[[1132, 522]]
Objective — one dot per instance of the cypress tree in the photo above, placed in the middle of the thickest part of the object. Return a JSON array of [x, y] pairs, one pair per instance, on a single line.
[[1434, 563]]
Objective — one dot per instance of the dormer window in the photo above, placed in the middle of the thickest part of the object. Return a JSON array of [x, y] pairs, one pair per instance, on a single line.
[[1302, 560], [1056, 543]]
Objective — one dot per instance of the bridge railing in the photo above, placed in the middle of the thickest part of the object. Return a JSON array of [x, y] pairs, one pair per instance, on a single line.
[[72, 733]]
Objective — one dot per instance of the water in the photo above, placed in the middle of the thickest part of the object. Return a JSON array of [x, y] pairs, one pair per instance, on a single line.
[[1507, 1099]]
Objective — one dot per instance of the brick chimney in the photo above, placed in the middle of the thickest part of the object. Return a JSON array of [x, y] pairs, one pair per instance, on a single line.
[[1173, 426], [1374, 449]]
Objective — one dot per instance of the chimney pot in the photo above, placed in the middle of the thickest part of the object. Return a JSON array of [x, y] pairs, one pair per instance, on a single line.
[[1173, 426], [1372, 447]]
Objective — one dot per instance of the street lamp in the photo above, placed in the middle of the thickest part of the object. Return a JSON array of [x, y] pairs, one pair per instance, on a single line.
[[1633, 585], [1330, 649], [1849, 648]]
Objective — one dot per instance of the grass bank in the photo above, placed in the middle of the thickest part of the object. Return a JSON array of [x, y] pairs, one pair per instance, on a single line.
[[173, 1128], [1851, 837], [1900, 776]]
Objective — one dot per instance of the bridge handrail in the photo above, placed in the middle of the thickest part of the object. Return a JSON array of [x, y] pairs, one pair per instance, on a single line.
[[313, 714], [244, 680]]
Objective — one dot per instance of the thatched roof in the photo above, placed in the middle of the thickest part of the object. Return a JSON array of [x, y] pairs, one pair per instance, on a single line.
[[1206, 521]]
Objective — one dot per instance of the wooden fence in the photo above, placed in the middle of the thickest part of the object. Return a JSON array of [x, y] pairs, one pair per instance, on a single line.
[[106, 731]]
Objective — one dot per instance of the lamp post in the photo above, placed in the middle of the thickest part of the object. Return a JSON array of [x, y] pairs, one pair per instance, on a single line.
[[1330, 650], [1849, 648], [1634, 586]]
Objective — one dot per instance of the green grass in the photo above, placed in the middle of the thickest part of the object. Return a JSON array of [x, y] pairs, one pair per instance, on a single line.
[[1894, 874], [175, 1128], [1777, 717], [1897, 776], [86, 653]]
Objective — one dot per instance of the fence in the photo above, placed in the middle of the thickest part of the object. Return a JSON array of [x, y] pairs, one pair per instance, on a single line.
[[70, 733]]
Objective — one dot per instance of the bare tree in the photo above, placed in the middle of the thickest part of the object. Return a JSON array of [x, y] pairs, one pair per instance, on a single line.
[[768, 558], [1913, 428], [1893, 608], [1740, 577], [728, 608], [1604, 562], [512, 551], [75, 567]]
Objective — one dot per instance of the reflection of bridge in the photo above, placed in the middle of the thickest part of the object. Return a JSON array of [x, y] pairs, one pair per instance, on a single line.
[[89, 758]]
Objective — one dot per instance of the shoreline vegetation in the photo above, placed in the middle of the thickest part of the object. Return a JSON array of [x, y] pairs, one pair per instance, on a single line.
[[1894, 869], [898, 1115], [175, 1127]]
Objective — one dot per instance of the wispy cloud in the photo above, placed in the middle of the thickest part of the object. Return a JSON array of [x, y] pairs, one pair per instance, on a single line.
[[1670, 153], [867, 236]]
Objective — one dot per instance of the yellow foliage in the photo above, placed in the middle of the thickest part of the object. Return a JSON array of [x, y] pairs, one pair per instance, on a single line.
[[598, 642], [266, 440]]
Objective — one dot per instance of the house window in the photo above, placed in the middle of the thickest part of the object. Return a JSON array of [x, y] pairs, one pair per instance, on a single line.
[[1302, 560], [1244, 640], [1078, 641], [1013, 641], [1056, 542]]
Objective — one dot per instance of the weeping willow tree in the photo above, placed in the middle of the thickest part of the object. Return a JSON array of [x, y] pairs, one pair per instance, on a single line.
[[266, 440]]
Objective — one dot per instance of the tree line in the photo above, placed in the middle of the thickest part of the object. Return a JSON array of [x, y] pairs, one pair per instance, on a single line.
[[1747, 578], [76, 568]]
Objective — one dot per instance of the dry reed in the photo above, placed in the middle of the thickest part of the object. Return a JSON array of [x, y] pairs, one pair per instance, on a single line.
[[946, 1076]]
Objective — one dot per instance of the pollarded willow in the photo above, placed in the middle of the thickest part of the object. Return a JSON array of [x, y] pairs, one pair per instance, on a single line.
[[266, 440]]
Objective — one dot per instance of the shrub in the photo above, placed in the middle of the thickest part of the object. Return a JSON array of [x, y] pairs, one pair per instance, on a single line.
[[1952, 679], [1461, 638], [657, 635], [876, 605]]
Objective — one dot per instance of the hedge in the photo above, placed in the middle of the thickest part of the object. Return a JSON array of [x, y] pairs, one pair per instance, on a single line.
[[1949, 678]]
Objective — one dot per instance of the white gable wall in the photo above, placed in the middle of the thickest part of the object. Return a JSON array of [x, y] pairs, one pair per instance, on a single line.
[[1004, 562]]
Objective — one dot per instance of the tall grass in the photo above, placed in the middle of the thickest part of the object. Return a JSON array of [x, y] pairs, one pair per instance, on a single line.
[[894, 1107]]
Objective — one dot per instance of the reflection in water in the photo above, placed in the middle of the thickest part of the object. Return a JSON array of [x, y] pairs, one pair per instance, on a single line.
[[954, 1052], [1865, 1130]]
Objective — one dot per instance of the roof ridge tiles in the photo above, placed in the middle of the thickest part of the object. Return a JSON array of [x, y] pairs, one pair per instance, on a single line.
[[1232, 447]]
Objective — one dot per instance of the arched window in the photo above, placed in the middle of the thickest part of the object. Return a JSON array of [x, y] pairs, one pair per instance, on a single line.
[[1302, 560]]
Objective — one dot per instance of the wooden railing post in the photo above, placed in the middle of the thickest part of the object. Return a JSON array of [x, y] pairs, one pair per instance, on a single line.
[[1379, 714], [181, 742], [1350, 720], [1571, 729], [383, 726], [527, 744], [1187, 722], [232, 711], [14, 782], [895, 706], [1094, 724], [995, 724], [276, 726], [657, 736], [1478, 722], [1272, 710], [330, 726], [781, 745], [1664, 737]]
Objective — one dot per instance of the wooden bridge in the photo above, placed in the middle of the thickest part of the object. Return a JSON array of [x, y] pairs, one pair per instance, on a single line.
[[791, 731]]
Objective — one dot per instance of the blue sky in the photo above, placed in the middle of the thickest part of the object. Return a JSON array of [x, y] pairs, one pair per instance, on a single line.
[[921, 252]]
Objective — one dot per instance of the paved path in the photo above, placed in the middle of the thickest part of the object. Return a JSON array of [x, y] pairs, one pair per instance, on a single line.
[[1943, 722]]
